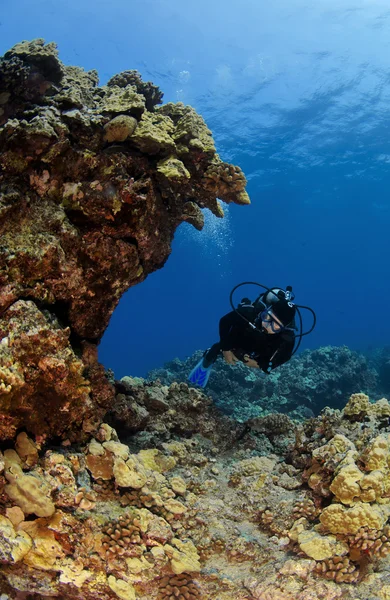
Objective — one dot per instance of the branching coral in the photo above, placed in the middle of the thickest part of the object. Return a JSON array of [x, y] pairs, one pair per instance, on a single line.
[[370, 542], [121, 536], [340, 569], [305, 508], [178, 587]]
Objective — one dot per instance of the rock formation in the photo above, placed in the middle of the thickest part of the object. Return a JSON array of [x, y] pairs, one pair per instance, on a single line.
[[93, 183]]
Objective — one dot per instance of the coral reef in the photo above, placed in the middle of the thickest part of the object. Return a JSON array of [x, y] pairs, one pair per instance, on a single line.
[[197, 517], [146, 490], [301, 388], [94, 180], [379, 359]]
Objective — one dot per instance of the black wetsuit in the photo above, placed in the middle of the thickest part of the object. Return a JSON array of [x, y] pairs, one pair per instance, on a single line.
[[268, 350]]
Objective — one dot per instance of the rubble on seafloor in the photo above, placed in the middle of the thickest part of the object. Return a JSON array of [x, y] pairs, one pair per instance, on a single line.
[[138, 490]]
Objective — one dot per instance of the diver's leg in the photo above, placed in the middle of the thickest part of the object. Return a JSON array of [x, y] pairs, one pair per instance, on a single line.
[[211, 355]]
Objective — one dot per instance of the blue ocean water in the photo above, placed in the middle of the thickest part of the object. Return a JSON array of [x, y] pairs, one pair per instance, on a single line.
[[298, 95]]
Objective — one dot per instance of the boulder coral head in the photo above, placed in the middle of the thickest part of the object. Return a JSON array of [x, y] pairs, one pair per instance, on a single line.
[[93, 183]]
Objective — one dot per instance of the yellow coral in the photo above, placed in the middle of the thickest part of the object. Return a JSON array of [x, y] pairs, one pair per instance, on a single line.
[[339, 444], [319, 546], [381, 408], [360, 405], [26, 449], [254, 465], [184, 556], [377, 454], [118, 449], [173, 168], [45, 551], [298, 526], [122, 589], [373, 487], [11, 378], [345, 486], [357, 404], [178, 485], [72, 572], [129, 474], [336, 518], [154, 460], [154, 134], [175, 507], [384, 592], [13, 545], [95, 448], [137, 565], [119, 128], [30, 493]]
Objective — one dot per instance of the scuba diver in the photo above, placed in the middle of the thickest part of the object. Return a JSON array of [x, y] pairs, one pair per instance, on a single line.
[[261, 334]]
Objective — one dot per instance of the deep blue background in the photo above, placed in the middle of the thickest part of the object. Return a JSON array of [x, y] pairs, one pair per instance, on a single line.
[[298, 95]]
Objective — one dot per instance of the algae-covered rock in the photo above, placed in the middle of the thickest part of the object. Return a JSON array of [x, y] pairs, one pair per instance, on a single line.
[[190, 128], [173, 168], [154, 134], [119, 128], [122, 100]]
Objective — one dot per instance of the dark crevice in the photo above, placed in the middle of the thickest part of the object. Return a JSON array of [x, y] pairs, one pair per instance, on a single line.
[[130, 240], [60, 311]]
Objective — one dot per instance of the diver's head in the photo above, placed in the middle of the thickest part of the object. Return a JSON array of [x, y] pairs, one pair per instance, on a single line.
[[278, 316], [273, 295]]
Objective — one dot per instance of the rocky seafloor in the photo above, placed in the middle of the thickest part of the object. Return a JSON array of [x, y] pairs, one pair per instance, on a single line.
[[151, 489]]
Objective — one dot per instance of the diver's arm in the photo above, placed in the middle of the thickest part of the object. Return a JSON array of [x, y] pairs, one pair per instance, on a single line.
[[283, 354], [234, 321]]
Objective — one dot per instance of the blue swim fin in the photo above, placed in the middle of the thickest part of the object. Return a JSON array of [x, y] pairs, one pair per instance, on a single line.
[[200, 374]]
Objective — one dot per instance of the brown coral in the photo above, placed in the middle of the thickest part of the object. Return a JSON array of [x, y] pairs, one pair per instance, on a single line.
[[305, 508], [178, 587], [225, 181], [370, 542], [272, 424], [120, 536], [339, 569]]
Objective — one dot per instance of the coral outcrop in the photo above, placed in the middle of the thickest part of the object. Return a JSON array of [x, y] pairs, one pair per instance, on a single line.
[[94, 180]]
